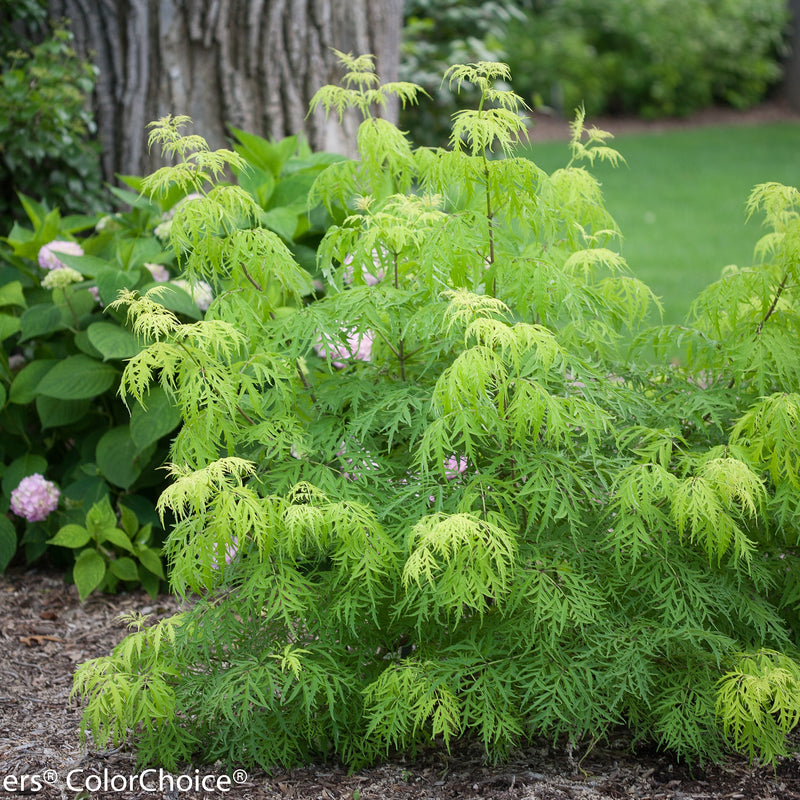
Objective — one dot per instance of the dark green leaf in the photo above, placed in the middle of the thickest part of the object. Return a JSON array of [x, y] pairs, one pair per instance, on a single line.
[[24, 387], [116, 537], [8, 326], [20, 468], [155, 418], [113, 341], [175, 299], [77, 377], [282, 221], [110, 282], [89, 266], [40, 320], [118, 457], [54, 413], [8, 542], [151, 560]]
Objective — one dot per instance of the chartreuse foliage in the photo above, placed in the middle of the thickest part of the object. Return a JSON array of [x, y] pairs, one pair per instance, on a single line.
[[446, 499], [64, 344]]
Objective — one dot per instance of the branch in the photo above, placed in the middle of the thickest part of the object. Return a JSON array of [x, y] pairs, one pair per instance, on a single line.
[[778, 294]]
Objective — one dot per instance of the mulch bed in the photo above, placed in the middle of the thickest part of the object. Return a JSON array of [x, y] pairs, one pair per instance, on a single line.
[[46, 632]]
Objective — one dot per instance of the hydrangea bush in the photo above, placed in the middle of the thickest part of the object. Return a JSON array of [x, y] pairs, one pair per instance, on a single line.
[[506, 521], [63, 350]]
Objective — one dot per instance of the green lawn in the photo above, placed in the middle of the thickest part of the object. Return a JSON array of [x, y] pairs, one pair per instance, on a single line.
[[680, 200]]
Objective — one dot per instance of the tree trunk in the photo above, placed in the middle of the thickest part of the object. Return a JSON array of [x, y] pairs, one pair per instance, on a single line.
[[254, 64], [791, 68]]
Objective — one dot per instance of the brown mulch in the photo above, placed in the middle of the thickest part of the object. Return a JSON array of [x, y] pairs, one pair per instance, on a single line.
[[45, 632]]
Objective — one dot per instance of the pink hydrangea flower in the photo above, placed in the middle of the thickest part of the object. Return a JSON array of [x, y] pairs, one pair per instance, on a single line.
[[35, 498], [200, 292], [47, 254], [370, 278], [358, 347], [182, 202], [158, 271], [455, 466], [16, 361], [231, 551], [95, 292], [359, 467]]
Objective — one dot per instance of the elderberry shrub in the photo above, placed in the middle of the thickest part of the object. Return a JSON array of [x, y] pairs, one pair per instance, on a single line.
[[453, 497]]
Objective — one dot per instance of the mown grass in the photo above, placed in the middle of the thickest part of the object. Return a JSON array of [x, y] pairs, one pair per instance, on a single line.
[[680, 200]]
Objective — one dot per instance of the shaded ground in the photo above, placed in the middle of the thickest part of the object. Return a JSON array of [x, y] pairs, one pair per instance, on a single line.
[[45, 632]]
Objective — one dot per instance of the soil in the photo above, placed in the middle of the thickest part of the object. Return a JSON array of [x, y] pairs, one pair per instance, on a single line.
[[45, 632]]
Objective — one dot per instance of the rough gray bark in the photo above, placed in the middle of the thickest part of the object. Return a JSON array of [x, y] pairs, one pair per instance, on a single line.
[[791, 69], [252, 63]]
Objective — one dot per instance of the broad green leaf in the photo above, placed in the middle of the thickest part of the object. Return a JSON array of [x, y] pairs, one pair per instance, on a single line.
[[75, 223], [8, 542], [40, 320], [87, 491], [145, 511], [88, 572], [128, 520], [85, 346], [151, 560], [24, 387], [150, 583], [132, 199], [100, 517], [119, 459], [263, 153], [34, 541], [78, 377], [54, 413], [8, 326], [36, 211], [156, 418], [116, 537], [71, 536], [113, 341], [125, 569], [110, 282], [3, 395], [282, 221], [81, 304], [258, 182], [89, 266], [11, 295], [20, 468], [292, 191], [175, 299]]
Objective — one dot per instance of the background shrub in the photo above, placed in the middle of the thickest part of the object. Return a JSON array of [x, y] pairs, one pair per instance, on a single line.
[[651, 57], [46, 126], [63, 349], [438, 33]]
